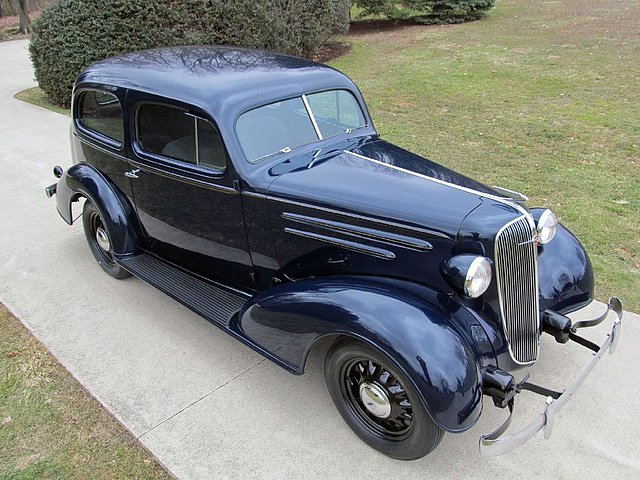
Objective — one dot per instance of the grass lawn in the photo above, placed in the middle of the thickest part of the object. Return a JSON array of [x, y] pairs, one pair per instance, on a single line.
[[38, 97], [50, 428], [539, 97]]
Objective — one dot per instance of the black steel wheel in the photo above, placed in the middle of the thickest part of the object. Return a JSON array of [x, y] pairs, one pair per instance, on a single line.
[[378, 402], [99, 242]]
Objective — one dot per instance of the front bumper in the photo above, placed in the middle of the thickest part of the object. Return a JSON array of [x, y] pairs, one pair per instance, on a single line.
[[497, 443]]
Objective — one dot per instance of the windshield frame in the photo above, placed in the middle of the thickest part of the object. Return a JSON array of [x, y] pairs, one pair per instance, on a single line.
[[320, 138]]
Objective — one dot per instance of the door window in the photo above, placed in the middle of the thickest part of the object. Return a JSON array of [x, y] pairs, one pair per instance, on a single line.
[[174, 133], [101, 112]]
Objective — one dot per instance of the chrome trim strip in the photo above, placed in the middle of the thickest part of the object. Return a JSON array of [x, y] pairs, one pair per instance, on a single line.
[[191, 181], [432, 233], [512, 194], [312, 116], [502, 200], [357, 247], [361, 232], [494, 444], [197, 140]]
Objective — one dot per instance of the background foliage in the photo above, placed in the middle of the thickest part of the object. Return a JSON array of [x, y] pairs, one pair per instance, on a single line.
[[427, 11], [71, 34]]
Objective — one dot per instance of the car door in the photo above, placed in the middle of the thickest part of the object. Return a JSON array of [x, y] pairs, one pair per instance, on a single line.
[[184, 193]]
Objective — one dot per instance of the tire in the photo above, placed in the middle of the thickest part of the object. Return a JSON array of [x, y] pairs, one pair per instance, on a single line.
[[397, 424], [94, 228]]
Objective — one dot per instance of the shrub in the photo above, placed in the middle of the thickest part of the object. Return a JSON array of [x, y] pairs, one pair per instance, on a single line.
[[427, 11], [71, 34]]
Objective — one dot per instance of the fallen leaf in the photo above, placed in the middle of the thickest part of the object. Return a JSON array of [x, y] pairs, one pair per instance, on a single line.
[[6, 421]]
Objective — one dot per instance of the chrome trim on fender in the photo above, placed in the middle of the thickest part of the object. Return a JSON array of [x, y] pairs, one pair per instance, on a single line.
[[360, 232], [355, 246], [494, 444], [432, 233]]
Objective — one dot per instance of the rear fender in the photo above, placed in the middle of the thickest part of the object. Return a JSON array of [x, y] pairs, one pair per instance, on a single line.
[[84, 180], [419, 329]]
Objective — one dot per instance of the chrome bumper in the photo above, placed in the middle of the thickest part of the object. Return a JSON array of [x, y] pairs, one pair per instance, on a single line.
[[496, 443]]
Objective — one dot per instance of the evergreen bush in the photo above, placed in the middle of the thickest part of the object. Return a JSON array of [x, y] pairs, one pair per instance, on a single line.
[[71, 34], [427, 11]]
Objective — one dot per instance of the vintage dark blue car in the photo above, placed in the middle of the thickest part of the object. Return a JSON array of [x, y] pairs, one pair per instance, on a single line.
[[253, 188]]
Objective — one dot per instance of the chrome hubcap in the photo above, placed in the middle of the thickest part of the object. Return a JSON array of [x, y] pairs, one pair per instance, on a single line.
[[375, 399], [103, 239]]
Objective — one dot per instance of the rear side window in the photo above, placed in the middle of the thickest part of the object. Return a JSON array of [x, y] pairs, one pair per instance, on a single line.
[[174, 133], [101, 112]]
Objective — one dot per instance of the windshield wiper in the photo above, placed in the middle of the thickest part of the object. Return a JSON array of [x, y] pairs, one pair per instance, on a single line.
[[282, 150], [351, 130]]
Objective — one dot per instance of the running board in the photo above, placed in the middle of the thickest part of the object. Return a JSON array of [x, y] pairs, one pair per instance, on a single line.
[[212, 302]]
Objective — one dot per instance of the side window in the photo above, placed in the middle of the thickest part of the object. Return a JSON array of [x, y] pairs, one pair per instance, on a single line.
[[101, 112], [173, 133]]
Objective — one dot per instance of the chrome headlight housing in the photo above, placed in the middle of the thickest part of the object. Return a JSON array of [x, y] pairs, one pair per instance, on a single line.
[[469, 274], [546, 227]]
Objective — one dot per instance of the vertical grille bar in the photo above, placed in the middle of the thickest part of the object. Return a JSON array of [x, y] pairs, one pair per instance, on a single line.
[[516, 267]]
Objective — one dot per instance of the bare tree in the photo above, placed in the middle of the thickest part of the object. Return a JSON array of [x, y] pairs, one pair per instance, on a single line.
[[25, 22]]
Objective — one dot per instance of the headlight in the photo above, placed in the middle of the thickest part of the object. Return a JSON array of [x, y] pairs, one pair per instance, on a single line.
[[547, 226], [470, 274]]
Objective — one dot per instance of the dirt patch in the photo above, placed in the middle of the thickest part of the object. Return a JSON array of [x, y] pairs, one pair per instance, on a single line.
[[330, 51], [13, 20], [363, 27]]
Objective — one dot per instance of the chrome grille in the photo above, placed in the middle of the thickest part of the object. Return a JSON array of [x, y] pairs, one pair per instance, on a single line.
[[516, 269]]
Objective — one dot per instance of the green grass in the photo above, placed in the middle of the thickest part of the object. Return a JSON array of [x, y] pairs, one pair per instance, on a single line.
[[539, 98], [50, 428], [37, 97]]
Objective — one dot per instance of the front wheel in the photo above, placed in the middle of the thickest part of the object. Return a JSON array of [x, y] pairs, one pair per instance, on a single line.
[[378, 402], [99, 241]]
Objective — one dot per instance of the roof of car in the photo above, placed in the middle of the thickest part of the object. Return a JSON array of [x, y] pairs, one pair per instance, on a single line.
[[219, 79]]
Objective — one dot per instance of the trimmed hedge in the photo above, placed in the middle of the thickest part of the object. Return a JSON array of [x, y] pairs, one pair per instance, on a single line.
[[427, 11], [71, 34]]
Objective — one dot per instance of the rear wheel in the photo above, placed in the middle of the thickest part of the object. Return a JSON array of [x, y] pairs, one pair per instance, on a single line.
[[99, 241], [378, 402]]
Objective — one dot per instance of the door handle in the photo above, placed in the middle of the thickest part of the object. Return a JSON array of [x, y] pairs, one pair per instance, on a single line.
[[132, 173]]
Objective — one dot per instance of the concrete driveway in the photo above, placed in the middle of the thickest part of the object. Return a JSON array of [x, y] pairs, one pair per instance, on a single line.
[[207, 406]]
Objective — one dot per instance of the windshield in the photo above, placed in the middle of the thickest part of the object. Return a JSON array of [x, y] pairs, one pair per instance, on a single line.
[[282, 126]]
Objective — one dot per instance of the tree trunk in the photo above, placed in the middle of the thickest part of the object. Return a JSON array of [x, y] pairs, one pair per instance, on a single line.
[[25, 23]]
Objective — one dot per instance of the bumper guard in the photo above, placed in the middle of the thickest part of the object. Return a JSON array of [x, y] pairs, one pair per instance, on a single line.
[[496, 443]]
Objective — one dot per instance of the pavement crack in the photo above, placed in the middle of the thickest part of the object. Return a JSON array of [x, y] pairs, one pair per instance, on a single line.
[[201, 398]]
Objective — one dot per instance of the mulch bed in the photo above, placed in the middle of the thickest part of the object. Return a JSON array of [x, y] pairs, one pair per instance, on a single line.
[[330, 51]]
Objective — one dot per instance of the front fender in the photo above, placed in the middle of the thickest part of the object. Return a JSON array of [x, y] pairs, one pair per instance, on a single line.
[[419, 329], [565, 274], [118, 214]]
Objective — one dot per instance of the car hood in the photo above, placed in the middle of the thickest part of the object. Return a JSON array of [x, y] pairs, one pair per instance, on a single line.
[[380, 180]]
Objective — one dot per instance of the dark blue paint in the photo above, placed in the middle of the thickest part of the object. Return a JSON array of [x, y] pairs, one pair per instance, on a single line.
[[84, 180], [366, 273], [425, 332]]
